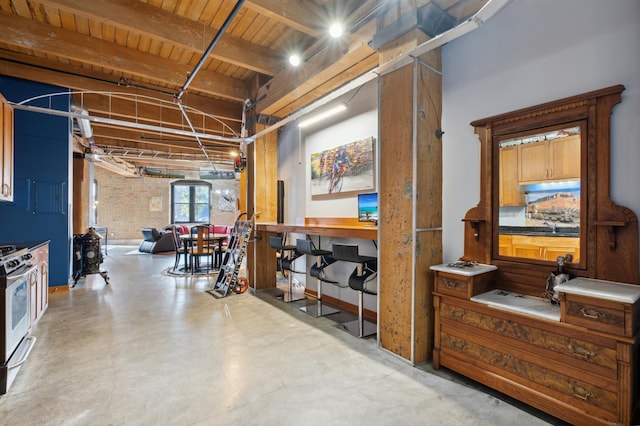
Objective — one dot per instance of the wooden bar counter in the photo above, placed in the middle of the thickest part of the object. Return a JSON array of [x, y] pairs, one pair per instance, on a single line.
[[265, 265]]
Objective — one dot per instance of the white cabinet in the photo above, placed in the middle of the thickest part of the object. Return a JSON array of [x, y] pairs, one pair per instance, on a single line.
[[39, 282]]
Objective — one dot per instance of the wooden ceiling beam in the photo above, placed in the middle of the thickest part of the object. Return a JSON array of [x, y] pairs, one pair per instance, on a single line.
[[69, 77], [29, 34], [164, 26], [330, 85], [328, 64], [307, 17]]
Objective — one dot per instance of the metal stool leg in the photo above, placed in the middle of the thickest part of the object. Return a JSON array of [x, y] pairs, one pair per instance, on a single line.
[[289, 296], [360, 327], [319, 309]]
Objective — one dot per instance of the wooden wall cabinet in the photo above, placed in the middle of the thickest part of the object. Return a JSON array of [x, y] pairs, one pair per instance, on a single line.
[[556, 159], [6, 150], [511, 193], [39, 281], [539, 247]]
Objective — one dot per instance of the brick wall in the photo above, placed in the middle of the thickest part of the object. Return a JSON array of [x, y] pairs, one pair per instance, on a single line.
[[126, 205]]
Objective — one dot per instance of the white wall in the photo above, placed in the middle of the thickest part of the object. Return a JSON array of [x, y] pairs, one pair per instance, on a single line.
[[536, 51], [295, 147]]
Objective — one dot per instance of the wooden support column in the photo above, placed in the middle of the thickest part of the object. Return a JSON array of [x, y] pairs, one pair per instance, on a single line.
[[410, 201], [262, 177], [81, 193]]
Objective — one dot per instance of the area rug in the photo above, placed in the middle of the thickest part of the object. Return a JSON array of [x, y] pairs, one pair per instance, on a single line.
[[169, 272], [136, 252]]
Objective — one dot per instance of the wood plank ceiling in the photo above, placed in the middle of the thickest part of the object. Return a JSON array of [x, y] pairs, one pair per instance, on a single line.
[[127, 61]]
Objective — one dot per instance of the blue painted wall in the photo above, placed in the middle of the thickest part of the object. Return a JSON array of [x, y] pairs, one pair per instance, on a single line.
[[41, 209]]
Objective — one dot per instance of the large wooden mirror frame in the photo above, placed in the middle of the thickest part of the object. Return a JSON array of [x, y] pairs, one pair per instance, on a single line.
[[608, 232]]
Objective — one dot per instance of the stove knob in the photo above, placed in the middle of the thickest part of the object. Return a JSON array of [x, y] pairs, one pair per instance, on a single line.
[[27, 256]]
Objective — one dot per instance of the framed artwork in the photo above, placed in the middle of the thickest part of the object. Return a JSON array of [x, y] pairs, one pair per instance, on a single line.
[[227, 200], [345, 168], [155, 204]]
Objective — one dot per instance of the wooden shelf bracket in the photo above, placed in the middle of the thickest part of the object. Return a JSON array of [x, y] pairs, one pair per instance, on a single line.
[[475, 224], [611, 230]]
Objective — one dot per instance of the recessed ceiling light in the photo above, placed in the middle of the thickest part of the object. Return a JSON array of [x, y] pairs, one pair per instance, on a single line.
[[335, 30], [294, 60]]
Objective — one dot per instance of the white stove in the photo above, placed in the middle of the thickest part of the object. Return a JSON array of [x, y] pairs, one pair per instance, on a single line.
[[16, 273]]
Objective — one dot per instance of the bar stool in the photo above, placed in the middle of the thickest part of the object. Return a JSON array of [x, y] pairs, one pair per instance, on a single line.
[[366, 269], [323, 259], [287, 254]]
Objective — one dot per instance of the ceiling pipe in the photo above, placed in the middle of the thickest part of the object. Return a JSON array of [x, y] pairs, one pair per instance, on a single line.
[[213, 43], [192, 75], [480, 17]]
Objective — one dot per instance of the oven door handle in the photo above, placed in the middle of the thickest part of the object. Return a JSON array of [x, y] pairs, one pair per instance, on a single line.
[[11, 277], [32, 341]]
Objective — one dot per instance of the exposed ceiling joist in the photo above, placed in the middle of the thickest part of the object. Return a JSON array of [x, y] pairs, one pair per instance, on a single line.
[[307, 17], [166, 27], [28, 34]]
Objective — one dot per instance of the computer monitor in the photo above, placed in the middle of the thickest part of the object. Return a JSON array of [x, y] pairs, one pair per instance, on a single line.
[[368, 207]]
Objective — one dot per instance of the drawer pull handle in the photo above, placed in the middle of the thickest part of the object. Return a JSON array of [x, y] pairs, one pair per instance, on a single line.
[[592, 313], [457, 314], [450, 284], [581, 352], [457, 345], [581, 393]]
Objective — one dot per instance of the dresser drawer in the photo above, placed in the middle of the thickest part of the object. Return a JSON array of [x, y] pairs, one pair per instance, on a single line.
[[593, 353], [453, 285], [598, 314], [565, 383], [463, 286]]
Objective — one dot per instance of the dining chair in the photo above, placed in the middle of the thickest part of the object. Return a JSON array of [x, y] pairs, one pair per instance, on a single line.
[[201, 246], [181, 249]]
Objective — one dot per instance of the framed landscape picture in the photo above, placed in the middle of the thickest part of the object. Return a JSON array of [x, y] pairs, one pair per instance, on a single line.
[[345, 168]]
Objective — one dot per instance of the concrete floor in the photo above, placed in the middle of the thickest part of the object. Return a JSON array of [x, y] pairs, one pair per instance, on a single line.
[[151, 349]]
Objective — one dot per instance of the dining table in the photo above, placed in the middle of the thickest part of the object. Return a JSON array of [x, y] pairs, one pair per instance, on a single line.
[[217, 239]]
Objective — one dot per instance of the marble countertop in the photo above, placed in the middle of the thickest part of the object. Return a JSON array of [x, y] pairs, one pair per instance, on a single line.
[[608, 290], [515, 302], [468, 271]]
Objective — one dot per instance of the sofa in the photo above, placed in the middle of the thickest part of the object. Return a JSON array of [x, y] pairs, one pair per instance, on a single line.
[[155, 241]]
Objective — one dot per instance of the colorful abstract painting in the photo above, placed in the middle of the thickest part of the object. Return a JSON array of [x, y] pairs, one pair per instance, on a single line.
[[345, 168]]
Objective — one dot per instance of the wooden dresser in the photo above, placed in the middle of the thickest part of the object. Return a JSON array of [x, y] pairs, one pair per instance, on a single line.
[[576, 361]]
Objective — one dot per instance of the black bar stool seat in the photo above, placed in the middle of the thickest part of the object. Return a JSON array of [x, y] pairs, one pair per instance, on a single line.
[[363, 273], [323, 259]]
